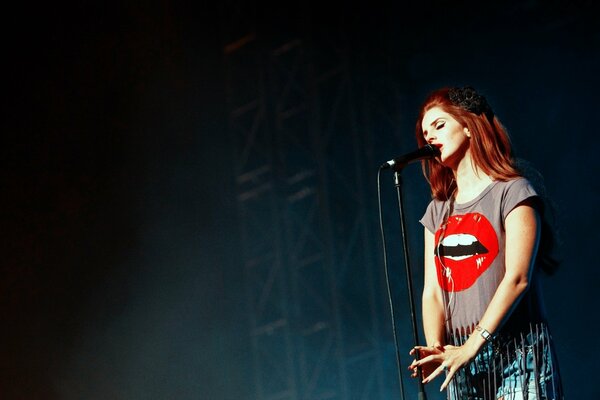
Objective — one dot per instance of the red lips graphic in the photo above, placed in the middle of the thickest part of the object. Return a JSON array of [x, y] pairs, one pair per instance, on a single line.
[[468, 247]]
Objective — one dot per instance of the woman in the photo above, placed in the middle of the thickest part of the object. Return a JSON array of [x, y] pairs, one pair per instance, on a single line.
[[482, 314]]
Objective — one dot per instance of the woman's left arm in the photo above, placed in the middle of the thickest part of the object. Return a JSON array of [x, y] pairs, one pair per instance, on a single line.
[[522, 236]]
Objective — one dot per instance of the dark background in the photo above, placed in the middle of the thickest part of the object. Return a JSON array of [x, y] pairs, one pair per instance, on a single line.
[[121, 276]]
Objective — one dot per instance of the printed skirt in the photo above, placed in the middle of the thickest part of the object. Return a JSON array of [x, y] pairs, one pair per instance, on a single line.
[[510, 367]]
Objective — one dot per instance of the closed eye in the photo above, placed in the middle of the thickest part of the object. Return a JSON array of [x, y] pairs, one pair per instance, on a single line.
[[440, 125]]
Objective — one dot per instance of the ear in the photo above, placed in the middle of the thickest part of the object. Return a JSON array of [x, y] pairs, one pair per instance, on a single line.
[[467, 132]]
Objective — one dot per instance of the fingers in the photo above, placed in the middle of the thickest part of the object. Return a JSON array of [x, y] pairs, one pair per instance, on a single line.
[[435, 373], [442, 368], [449, 377], [435, 360], [425, 350], [425, 360]]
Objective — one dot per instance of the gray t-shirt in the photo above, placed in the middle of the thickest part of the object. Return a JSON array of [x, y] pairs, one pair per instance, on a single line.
[[469, 252]]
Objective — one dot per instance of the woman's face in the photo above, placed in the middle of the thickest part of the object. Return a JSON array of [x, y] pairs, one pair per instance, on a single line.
[[447, 134]]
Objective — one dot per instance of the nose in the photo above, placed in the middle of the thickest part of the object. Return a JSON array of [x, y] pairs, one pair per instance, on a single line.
[[429, 137]]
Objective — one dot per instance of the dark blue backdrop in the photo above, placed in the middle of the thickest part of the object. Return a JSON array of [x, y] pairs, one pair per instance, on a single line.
[[121, 278]]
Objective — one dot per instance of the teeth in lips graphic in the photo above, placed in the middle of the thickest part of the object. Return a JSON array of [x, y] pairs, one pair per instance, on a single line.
[[467, 247], [461, 246]]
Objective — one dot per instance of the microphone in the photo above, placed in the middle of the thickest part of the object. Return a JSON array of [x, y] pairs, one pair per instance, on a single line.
[[427, 151]]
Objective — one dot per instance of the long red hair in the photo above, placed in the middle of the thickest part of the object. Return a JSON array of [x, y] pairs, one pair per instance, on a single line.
[[490, 145]]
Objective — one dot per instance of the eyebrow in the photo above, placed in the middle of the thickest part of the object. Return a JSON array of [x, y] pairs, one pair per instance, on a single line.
[[435, 120]]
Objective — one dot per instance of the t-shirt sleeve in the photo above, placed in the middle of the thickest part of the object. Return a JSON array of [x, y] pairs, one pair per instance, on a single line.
[[428, 219], [516, 192]]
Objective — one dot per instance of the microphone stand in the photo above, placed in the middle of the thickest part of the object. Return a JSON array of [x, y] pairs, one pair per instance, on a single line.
[[398, 183]]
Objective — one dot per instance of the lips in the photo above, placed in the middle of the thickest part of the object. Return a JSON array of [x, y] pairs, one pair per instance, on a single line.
[[467, 249], [439, 147]]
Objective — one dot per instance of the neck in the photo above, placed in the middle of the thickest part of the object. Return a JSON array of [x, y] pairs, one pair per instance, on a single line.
[[470, 180]]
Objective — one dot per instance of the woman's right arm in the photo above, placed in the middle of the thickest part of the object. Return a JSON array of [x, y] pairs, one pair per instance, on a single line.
[[433, 306], [433, 311]]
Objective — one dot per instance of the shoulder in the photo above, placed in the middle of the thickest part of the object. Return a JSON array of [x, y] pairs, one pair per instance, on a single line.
[[514, 192], [519, 184], [435, 206], [433, 214]]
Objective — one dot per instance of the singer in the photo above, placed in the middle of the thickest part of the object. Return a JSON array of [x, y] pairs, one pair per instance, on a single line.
[[487, 239]]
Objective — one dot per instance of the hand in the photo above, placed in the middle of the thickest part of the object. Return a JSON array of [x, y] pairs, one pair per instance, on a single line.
[[450, 359], [428, 368]]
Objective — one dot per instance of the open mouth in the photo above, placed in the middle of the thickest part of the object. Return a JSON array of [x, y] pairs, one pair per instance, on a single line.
[[467, 249], [461, 246]]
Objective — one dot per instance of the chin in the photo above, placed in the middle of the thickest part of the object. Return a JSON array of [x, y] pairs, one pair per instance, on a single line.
[[449, 162]]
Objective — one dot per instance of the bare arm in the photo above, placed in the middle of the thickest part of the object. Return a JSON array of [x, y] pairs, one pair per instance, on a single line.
[[433, 311], [522, 237], [522, 234], [433, 306]]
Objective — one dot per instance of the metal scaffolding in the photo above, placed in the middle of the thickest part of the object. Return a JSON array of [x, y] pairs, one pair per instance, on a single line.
[[312, 287]]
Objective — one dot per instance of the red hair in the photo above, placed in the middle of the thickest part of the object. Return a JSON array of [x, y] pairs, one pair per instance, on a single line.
[[490, 146]]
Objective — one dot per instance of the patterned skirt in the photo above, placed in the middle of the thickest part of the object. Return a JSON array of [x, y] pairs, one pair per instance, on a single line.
[[511, 367]]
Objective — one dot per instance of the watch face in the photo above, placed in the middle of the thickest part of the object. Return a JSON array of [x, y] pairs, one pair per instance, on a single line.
[[466, 247]]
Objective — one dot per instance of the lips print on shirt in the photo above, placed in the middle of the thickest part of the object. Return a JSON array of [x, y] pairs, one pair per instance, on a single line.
[[468, 247]]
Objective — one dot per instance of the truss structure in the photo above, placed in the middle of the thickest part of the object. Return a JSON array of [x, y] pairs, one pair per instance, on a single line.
[[307, 239]]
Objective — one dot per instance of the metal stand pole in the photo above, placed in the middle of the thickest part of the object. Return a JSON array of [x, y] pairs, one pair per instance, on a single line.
[[411, 301]]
